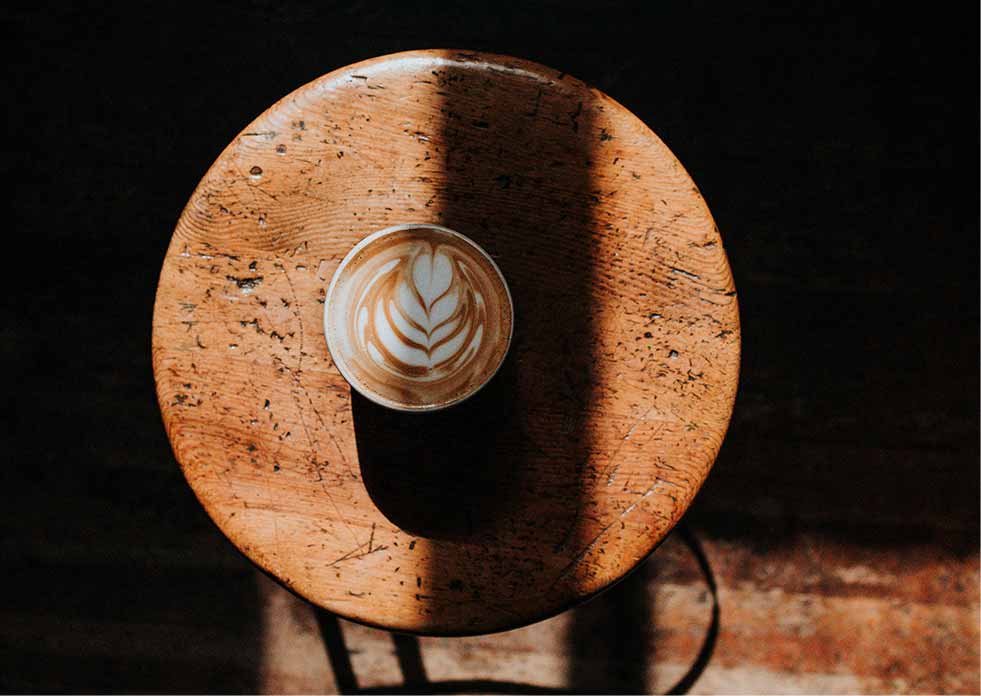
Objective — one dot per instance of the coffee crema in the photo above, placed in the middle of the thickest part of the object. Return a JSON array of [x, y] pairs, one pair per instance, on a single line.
[[417, 317]]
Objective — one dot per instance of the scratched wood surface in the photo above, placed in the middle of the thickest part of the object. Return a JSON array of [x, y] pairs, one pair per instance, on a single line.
[[587, 447]]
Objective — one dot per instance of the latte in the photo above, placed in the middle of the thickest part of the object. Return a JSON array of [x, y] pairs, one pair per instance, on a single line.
[[417, 317]]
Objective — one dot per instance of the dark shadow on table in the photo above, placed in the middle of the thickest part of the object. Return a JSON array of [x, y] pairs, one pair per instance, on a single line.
[[441, 475], [514, 182], [504, 469]]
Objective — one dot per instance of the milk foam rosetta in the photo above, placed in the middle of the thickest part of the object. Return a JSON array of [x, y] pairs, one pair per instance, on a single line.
[[418, 317]]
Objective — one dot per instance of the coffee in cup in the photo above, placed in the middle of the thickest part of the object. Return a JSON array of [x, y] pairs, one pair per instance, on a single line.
[[418, 317]]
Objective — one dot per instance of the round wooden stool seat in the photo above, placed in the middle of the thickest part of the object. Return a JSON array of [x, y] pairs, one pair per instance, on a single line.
[[570, 466]]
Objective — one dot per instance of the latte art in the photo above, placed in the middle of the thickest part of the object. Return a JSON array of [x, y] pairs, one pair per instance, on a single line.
[[423, 315], [417, 317]]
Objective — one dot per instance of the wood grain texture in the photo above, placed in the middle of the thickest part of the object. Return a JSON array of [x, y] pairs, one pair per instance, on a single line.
[[583, 452]]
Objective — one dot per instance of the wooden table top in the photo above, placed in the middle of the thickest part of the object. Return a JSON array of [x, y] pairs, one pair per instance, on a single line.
[[581, 454]]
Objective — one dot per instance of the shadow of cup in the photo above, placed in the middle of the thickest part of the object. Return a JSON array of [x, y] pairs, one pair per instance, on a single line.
[[443, 474]]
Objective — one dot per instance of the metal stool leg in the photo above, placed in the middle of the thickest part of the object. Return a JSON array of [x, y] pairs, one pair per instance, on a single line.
[[410, 662], [337, 652], [414, 676]]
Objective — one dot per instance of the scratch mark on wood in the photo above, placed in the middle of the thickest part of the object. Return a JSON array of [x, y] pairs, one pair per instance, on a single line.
[[686, 274], [297, 375], [611, 476], [582, 554], [356, 553], [592, 544]]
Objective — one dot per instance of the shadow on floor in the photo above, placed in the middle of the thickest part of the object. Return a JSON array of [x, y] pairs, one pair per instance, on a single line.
[[614, 662]]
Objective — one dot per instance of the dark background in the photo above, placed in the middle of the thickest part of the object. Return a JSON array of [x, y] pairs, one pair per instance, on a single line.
[[835, 143]]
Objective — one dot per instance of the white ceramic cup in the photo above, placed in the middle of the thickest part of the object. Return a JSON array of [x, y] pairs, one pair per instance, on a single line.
[[418, 317]]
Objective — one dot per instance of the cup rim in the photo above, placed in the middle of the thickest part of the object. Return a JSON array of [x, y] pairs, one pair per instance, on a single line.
[[367, 393]]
